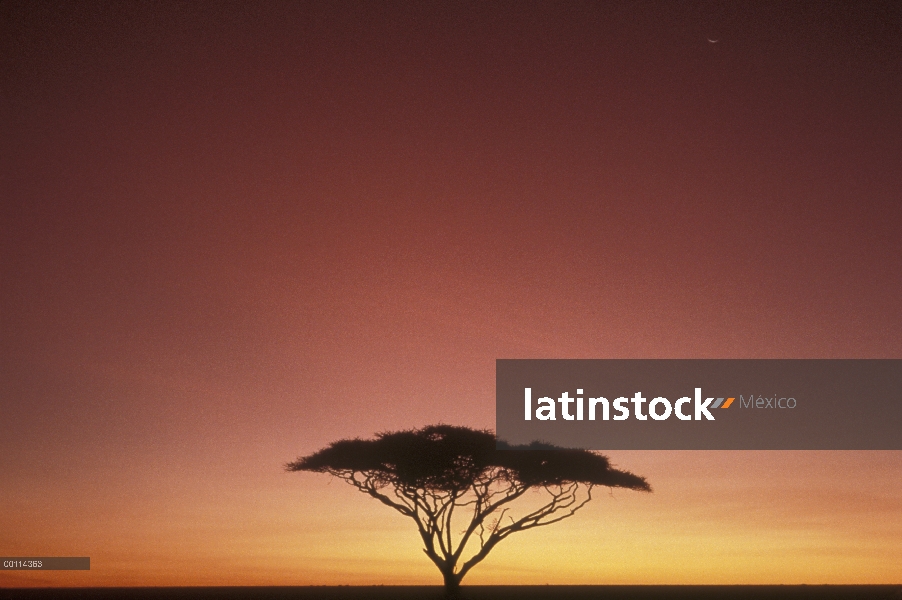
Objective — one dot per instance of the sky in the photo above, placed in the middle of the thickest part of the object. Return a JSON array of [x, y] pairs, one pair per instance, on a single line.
[[232, 233]]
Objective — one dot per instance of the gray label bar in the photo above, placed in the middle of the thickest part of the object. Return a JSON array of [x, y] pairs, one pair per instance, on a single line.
[[702, 404], [45, 563]]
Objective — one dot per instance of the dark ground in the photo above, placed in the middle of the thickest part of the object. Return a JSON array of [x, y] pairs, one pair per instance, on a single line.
[[549, 592]]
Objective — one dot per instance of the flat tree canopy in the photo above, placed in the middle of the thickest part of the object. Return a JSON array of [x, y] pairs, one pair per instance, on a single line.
[[457, 484]]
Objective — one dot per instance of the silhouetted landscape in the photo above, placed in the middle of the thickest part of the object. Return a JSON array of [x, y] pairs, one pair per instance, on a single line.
[[476, 592], [235, 234]]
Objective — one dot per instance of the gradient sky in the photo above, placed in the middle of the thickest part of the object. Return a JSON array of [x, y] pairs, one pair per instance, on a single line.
[[232, 233]]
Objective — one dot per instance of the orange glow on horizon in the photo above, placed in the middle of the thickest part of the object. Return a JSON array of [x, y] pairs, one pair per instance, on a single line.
[[714, 518]]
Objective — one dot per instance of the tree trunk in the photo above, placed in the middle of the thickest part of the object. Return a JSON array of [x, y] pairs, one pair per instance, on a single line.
[[452, 583]]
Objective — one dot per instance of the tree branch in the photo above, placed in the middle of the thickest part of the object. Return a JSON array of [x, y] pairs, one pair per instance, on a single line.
[[564, 500]]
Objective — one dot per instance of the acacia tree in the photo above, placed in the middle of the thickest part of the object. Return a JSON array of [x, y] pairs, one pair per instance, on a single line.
[[458, 484]]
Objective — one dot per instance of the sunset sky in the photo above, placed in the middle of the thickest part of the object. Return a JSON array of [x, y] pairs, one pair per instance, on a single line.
[[231, 233]]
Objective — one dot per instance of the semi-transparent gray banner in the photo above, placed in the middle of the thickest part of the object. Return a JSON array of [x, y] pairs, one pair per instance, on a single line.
[[45, 563], [701, 404]]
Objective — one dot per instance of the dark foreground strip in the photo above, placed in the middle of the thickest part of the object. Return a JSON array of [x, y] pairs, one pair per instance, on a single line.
[[549, 592]]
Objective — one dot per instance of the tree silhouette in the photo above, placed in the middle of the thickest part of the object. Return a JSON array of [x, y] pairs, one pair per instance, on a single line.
[[458, 487]]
